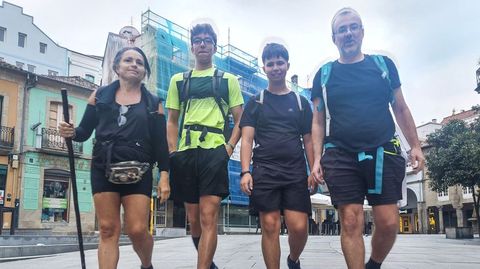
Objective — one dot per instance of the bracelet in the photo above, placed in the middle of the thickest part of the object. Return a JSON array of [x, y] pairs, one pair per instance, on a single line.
[[244, 173], [231, 146]]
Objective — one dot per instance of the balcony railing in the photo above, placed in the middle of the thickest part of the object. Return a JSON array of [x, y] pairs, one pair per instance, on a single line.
[[6, 137], [52, 140]]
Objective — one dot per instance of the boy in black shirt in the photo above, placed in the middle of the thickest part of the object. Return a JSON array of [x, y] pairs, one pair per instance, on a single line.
[[278, 119]]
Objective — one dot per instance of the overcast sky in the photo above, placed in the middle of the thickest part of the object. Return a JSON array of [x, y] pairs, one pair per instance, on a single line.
[[435, 44]]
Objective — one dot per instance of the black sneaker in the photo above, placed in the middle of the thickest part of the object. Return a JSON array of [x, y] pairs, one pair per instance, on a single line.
[[213, 266], [151, 267], [293, 265]]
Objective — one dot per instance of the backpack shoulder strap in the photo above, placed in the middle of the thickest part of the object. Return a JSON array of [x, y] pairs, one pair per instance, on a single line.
[[325, 76], [152, 103], [382, 65], [258, 103], [380, 62], [326, 72], [183, 93], [299, 101], [216, 81], [260, 97]]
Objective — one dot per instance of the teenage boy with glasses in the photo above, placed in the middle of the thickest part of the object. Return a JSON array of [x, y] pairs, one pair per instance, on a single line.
[[199, 147]]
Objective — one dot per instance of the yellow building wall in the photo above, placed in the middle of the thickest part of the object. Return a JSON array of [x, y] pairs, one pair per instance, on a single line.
[[9, 90]]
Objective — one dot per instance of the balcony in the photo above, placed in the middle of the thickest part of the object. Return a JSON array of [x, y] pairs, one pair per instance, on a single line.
[[52, 141], [6, 139]]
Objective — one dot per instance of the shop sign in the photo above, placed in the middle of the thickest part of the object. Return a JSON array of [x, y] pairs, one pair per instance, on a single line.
[[54, 203]]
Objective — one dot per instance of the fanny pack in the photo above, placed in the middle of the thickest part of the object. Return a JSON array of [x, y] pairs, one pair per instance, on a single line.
[[129, 172]]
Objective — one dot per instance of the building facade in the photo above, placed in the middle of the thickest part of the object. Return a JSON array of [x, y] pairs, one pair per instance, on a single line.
[[35, 188], [88, 67], [25, 45], [12, 83], [46, 191], [452, 207]]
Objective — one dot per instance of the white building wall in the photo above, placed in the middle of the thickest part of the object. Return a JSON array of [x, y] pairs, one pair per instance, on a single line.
[[85, 66], [14, 20], [415, 183], [427, 129]]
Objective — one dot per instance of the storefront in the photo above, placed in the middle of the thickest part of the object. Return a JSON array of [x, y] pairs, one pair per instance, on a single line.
[[47, 194], [56, 190]]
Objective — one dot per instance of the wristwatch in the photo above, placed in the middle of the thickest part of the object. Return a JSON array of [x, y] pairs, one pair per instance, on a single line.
[[244, 173], [231, 146]]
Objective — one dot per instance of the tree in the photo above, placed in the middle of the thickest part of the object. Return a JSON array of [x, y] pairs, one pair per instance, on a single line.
[[455, 158]]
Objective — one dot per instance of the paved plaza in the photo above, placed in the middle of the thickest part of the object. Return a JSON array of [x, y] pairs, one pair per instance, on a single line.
[[243, 251]]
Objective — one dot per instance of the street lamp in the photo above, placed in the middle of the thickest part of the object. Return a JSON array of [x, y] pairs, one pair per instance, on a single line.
[[478, 81]]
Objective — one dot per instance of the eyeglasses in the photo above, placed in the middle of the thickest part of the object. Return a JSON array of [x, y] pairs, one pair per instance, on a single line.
[[207, 41], [354, 28], [121, 117]]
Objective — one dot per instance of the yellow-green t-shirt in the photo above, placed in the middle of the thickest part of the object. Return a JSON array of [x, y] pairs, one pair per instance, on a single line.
[[203, 111]]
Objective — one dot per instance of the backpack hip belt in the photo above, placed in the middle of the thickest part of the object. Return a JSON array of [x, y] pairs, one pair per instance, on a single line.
[[199, 128]]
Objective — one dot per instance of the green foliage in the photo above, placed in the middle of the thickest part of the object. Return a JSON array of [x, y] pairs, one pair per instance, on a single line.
[[455, 155]]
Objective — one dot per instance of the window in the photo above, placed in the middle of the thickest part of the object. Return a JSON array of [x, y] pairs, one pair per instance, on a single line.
[[3, 31], [43, 48], [19, 65], [31, 68], [55, 196], [443, 193], [52, 73], [467, 190], [90, 78], [55, 114], [22, 39]]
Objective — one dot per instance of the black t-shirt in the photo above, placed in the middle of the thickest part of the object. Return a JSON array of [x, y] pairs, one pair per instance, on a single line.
[[358, 101], [132, 140], [279, 125]]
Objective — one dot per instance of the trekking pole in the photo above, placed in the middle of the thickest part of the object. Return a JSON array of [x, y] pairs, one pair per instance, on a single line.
[[71, 158]]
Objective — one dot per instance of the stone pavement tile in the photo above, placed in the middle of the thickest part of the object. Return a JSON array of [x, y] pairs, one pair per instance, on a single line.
[[244, 251]]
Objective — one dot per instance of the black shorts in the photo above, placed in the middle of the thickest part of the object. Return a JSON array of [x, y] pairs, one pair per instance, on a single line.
[[275, 190], [199, 172], [348, 179], [100, 183]]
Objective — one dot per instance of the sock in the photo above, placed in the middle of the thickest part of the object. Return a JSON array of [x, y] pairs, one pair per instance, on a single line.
[[196, 240], [293, 260], [371, 264]]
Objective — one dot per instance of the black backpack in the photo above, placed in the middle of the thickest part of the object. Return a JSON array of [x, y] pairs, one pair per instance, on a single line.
[[185, 97]]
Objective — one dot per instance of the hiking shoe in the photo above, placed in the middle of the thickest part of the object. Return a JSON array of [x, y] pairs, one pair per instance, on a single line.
[[213, 266], [293, 265]]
